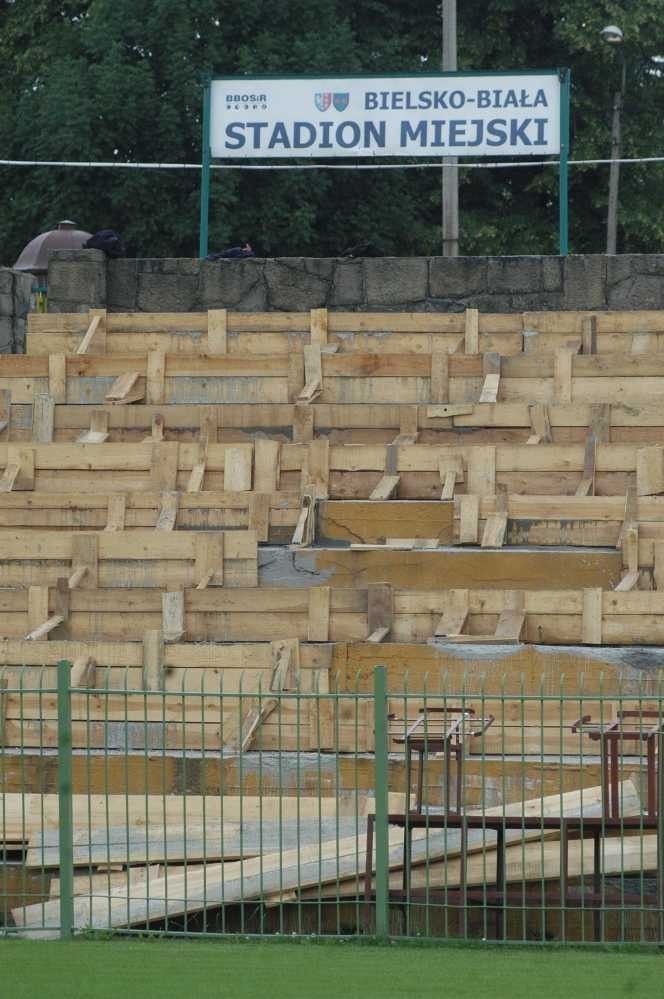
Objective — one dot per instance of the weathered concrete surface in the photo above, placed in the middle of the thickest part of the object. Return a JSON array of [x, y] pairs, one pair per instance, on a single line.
[[79, 279]]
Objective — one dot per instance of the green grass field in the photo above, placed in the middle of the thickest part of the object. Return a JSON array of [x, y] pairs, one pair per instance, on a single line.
[[170, 969]]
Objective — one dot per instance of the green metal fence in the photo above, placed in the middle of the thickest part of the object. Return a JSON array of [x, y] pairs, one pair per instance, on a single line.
[[470, 810]]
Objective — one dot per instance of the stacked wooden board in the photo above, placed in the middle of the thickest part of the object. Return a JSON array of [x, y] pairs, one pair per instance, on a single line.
[[294, 482]]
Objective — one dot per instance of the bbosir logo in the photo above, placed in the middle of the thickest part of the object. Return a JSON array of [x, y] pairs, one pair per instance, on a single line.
[[338, 101]]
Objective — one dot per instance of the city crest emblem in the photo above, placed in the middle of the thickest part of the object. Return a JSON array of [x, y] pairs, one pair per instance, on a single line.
[[340, 101], [323, 101]]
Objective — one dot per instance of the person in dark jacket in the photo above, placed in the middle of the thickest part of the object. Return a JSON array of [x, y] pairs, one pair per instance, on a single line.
[[233, 253]]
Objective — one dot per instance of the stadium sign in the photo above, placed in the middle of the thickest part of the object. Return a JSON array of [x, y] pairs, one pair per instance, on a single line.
[[522, 114], [494, 115]]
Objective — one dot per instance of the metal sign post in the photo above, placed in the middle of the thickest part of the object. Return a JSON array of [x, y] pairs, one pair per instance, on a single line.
[[205, 174], [563, 169]]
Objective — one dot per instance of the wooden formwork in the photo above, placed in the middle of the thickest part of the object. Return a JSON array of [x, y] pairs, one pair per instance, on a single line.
[[220, 331]]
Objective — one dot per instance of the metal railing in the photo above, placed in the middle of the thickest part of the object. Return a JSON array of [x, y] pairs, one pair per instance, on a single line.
[[461, 812]]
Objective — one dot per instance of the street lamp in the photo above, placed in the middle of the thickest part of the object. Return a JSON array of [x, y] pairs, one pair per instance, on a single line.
[[613, 35]]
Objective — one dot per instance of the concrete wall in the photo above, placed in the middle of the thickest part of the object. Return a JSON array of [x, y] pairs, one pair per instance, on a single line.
[[79, 279], [14, 306]]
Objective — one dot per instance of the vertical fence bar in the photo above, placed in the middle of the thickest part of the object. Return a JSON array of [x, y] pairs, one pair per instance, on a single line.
[[65, 812], [380, 780]]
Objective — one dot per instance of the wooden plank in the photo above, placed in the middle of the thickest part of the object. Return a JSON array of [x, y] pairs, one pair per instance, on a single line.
[[512, 619], [155, 379], [303, 423], [209, 564], [172, 615], [164, 458], [305, 527], [645, 343], [589, 335], [562, 377], [217, 331], [83, 671], [5, 411], [85, 555], [153, 660], [267, 458], [469, 513], [238, 468], [43, 411], [495, 528], [481, 470], [19, 474], [98, 432], [650, 470], [319, 614], [592, 616], [37, 606], [450, 410], [409, 421], [127, 388], [57, 377], [316, 468], [587, 485], [472, 331], [539, 424], [489, 393], [313, 374], [208, 425], [455, 616], [44, 629], [96, 332], [168, 511], [440, 383], [386, 488], [318, 326], [117, 506], [197, 474], [380, 604], [628, 582], [259, 515]]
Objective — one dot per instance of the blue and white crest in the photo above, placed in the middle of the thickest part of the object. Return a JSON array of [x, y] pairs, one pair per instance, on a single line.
[[323, 101], [340, 101]]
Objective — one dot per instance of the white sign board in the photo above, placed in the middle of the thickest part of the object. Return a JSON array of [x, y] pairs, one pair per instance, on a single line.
[[510, 114]]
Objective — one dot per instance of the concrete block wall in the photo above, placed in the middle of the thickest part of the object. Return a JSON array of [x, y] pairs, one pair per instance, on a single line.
[[15, 289], [80, 279]]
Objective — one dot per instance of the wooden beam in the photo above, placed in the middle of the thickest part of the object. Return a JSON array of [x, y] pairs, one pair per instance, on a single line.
[[305, 528], [168, 511], [587, 485], [539, 424], [440, 379], [217, 331], [96, 331], [259, 515], [164, 458], [115, 518], [495, 528], [172, 615], [19, 474], [85, 557], [380, 604], [481, 470], [153, 660], [5, 411], [267, 459], [592, 616], [319, 614], [98, 432], [589, 335], [469, 514], [491, 372], [650, 470], [386, 488], [127, 388], [318, 324], [562, 377], [155, 379], [303, 423], [313, 374], [238, 462], [472, 332], [83, 671], [455, 616], [57, 377], [209, 561], [316, 468], [512, 619], [43, 413]]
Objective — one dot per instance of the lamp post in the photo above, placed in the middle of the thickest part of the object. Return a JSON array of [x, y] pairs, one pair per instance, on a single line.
[[613, 35]]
